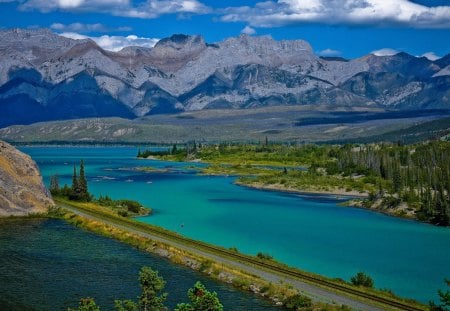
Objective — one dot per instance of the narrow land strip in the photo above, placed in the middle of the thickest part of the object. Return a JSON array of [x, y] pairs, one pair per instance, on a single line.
[[319, 291]]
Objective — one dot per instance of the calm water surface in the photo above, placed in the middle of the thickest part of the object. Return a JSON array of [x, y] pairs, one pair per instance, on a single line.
[[50, 265], [312, 233]]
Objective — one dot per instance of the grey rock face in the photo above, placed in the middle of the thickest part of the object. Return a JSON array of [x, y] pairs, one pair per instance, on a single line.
[[21, 189], [44, 76]]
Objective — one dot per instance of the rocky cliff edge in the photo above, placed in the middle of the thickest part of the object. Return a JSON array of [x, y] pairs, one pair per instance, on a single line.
[[22, 191]]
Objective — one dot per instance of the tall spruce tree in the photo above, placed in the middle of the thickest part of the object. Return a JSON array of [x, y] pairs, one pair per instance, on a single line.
[[82, 183]]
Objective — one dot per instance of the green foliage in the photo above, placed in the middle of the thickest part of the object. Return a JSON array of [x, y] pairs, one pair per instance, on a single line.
[[75, 188], [200, 300], [79, 189], [125, 305], [124, 208], [151, 285], [179, 153], [362, 279], [82, 182], [444, 297], [264, 256], [297, 302], [87, 304]]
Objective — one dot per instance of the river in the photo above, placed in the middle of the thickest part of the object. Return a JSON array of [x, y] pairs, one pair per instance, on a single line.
[[313, 233]]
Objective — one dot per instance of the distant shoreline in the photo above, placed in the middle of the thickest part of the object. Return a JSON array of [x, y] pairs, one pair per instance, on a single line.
[[280, 188]]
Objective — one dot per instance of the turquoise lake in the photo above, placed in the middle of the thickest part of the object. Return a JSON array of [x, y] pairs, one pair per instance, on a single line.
[[313, 233], [50, 265]]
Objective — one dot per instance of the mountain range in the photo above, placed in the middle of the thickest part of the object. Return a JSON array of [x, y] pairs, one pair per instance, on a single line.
[[44, 76]]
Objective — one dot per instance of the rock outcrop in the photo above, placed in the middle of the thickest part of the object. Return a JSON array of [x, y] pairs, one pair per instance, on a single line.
[[21, 189]]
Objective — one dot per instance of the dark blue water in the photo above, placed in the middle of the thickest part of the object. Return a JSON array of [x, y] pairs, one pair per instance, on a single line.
[[311, 233], [50, 265]]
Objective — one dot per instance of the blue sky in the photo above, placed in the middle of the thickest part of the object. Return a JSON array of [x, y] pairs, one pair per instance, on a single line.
[[347, 28]]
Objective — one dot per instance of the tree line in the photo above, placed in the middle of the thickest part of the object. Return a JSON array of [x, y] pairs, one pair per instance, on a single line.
[[418, 175]]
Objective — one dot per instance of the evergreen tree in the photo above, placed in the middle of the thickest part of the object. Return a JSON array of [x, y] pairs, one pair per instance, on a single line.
[[54, 185], [82, 183], [87, 304], [200, 300], [152, 284]]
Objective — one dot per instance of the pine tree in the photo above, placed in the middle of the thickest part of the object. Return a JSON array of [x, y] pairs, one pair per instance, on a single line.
[[54, 185], [82, 183]]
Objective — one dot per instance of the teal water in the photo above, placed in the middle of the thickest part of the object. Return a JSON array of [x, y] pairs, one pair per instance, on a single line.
[[50, 265], [313, 233]]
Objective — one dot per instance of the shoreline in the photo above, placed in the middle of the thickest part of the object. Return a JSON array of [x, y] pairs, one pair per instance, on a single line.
[[279, 188], [350, 195], [220, 268]]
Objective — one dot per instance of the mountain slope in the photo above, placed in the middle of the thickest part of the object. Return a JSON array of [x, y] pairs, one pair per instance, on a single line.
[[44, 77]]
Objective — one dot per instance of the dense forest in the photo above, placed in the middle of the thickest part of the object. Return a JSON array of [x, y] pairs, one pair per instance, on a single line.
[[418, 175]]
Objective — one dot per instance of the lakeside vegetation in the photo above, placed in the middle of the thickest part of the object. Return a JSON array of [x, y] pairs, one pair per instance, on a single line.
[[79, 192], [403, 180], [279, 293], [152, 297]]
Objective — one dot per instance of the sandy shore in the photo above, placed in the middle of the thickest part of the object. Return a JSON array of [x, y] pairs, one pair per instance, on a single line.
[[279, 187]]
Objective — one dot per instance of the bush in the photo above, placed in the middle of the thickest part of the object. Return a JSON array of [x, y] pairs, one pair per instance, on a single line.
[[297, 302], [264, 256], [123, 213], [132, 206], [362, 279]]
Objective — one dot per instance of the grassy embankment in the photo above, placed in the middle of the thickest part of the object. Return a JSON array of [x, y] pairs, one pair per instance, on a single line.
[[238, 278]]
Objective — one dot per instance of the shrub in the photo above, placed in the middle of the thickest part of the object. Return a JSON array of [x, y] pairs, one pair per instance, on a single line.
[[297, 302], [362, 279], [264, 256]]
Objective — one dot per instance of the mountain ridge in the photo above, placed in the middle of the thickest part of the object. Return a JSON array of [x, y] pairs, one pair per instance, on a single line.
[[62, 78]]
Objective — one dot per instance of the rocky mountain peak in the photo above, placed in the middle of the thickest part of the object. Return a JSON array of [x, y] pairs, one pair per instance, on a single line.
[[28, 38], [266, 44], [45, 76], [180, 43]]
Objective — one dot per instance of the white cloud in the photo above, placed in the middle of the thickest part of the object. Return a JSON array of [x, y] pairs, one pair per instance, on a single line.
[[115, 43], [329, 52], [431, 56], [146, 9], [248, 31], [385, 52], [80, 27], [73, 5], [70, 3], [348, 12]]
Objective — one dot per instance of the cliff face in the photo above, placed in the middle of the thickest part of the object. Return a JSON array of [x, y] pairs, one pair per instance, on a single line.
[[21, 189]]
